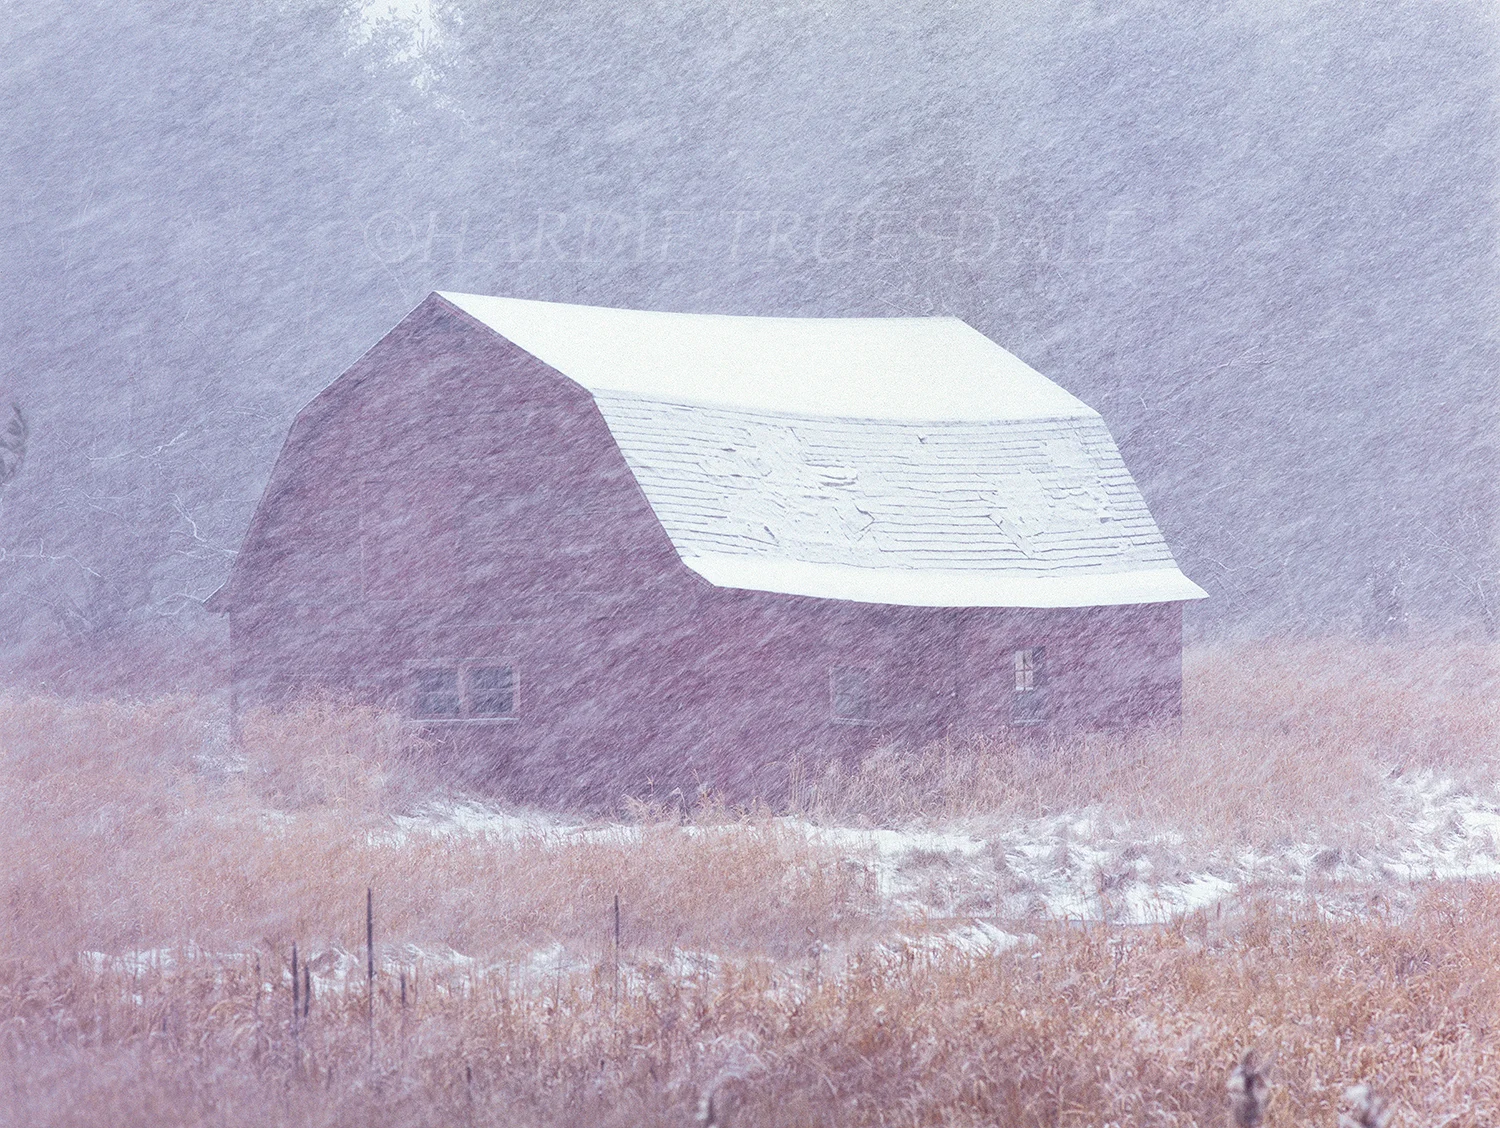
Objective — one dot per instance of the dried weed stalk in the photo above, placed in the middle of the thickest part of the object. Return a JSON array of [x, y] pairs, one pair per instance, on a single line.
[[1249, 1092]]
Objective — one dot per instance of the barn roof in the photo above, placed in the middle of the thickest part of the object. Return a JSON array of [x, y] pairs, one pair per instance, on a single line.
[[884, 460], [906, 368]]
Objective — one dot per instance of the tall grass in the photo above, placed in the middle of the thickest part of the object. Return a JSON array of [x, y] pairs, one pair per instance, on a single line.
[[115, 838], [1089, 1028], [130, 832]]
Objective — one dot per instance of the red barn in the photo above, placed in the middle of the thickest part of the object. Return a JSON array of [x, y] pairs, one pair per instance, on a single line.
[[603, 549]]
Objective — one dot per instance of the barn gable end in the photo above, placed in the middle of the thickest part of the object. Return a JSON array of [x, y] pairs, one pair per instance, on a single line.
[[437, 460], [446, 478]]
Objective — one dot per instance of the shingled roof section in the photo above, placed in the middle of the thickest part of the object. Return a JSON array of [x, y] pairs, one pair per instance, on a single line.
[[884, 460]]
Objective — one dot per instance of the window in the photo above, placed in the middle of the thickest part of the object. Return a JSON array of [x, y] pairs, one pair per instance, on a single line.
[[1031, 670], [850, 688], [465, 691], [436, 692], [492, 691], [1029, 701]]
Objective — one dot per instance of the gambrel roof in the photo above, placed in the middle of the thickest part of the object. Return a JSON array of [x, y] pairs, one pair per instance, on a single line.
[[884, 460]]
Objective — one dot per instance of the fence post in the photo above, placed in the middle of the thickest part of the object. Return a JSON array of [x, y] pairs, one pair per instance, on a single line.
[[370, 965], [616, 1000], [296, 989]]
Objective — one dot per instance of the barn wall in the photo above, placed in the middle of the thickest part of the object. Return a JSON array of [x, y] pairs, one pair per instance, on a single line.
[[451, 498], [1106, 667], [725, 688], [935, 673]]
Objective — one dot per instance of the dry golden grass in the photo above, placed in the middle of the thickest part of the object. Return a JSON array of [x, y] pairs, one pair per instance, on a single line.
[[1099, 1027], [117, 840], [1277, 741], [104, 852]]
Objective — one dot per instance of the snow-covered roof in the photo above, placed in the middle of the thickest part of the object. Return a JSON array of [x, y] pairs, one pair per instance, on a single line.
[[884, 460], [906, 368]]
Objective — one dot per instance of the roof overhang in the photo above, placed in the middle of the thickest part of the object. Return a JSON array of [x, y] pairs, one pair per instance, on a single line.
[[218, 602], [952, 588]]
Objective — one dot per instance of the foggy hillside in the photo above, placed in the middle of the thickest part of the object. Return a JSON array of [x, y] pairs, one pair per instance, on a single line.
[[1258, 237]]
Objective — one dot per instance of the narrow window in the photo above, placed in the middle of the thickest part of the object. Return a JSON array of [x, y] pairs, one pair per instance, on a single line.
[[1031, 669], [851, 693], [436, 692], [1029, 702], [492, 691]]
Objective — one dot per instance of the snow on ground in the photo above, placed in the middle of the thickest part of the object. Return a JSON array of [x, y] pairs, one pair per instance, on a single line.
[[1088, 865], [972, 887], [978, 939], [1085, 865], [472, 819], [966, 890]]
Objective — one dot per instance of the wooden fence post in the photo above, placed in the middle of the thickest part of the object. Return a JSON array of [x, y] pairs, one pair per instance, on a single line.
[[370, 965]]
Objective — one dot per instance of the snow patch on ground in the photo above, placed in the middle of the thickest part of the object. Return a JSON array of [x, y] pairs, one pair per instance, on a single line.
[[1084, 865], [518, 827], [962, 891]]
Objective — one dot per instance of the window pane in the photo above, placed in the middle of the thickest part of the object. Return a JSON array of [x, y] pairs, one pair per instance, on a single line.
[[492, 691], [436, 693], [851, 693]]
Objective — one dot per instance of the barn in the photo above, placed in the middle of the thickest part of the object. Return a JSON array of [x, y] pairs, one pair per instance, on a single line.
[[601, 550]]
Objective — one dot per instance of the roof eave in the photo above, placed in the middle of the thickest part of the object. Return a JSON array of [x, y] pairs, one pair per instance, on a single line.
[[954, 588]]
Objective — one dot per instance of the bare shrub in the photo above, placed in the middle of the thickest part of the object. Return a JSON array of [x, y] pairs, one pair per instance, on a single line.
[[1249, 1092]]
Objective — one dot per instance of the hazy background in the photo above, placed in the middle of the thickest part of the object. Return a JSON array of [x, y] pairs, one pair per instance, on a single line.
[[1259, 237]]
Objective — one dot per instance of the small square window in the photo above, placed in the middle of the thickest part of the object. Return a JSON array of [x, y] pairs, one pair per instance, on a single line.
[[851, 693], [436, 692], [492, 691]]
